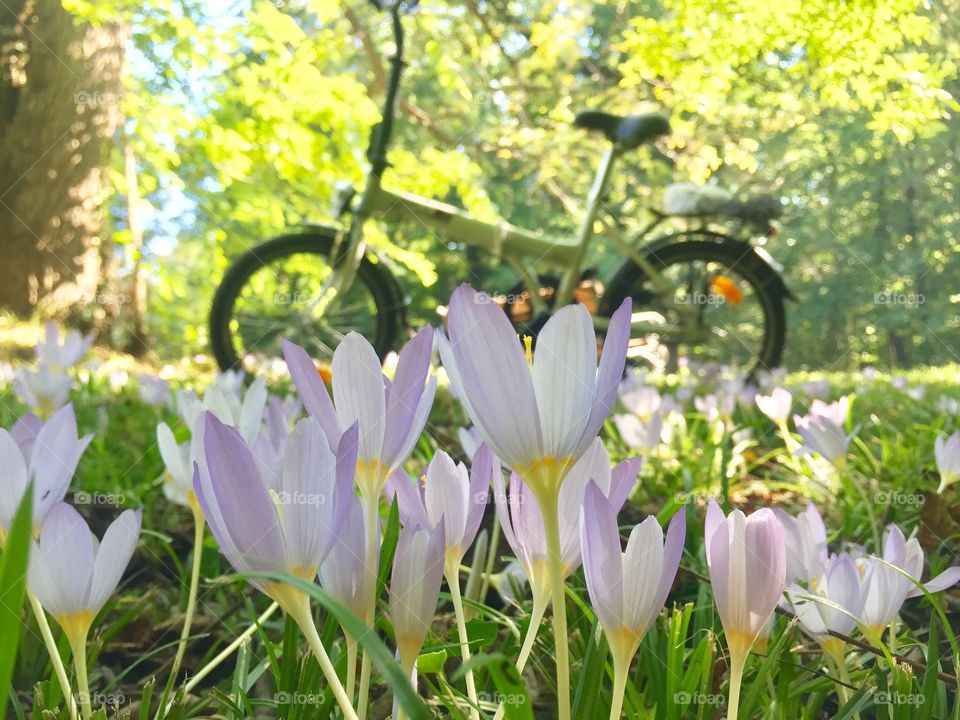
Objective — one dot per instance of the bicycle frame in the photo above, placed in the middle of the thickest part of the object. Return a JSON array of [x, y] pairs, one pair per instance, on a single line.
[[519, 247]]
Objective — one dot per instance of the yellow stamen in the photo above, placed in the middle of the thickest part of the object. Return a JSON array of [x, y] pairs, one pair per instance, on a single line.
[[528, 348]]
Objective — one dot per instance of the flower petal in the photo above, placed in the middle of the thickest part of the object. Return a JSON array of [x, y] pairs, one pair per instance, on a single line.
[[405, 394], [61, 571], [359, 392], [485, 357], [610, 370], [313, 393], [564, 378], [13, 479], [113, 555]]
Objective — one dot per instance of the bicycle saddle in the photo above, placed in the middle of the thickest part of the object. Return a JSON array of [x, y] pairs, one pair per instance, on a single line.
[[626, 131]]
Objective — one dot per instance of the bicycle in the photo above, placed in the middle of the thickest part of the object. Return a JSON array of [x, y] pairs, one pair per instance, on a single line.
[[700, 292]]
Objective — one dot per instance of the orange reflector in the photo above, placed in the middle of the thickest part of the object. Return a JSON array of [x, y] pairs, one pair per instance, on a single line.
[[325, 374], [727, 289]]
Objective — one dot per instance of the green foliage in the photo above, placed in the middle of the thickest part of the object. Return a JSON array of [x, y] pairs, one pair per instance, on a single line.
[[13, 580]]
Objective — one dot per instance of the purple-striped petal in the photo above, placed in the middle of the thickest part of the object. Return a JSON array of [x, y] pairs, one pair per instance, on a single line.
[[564, 378], [610, 370], [602, 564], [313, 393], [113, 555], [359, 392], [485, 355], [409, 495], [13, 479], [247, 513], [405, 394], [672, 552], [61, 569]]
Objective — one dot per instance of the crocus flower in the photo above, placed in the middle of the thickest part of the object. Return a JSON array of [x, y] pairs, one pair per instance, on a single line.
[[638, 434], [43, 390], [947, 452], [53, 354], [747, 561], [889, 588], [391, 415], [288, 531], [450, 495], [153, 390], [776, 405], [414, 589], [178, 480], [448, 492], [805, 538], [73, 575], [627, 589], [343, 574], [841, 584], [836, 411], [522, 523], [46, 454], [823, 436], [538, 418], [639, 399]]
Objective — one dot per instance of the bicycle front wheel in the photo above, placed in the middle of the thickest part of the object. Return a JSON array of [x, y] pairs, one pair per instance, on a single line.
[[271, 291], [721, 306]]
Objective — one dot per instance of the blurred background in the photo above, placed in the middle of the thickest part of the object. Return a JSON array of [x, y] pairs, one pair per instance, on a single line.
[[145, 144]]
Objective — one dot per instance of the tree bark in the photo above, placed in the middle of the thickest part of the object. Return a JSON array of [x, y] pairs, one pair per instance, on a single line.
[[60, 89]]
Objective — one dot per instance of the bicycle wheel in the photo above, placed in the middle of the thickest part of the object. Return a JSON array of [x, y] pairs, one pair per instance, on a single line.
[[724, 306], [268, 293]]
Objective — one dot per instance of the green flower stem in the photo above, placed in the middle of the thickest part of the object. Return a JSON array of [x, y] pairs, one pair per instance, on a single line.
[[58, 668], [229, 650], [83, 686], [371, 509], [351, 666], [549, 508], [621, 670], [304, 618], [454, 582], [737, 662], [198, 527], [540, 602]]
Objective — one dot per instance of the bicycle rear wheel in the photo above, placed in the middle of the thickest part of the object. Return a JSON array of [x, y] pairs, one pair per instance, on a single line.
[[269, 293], [724, 308]]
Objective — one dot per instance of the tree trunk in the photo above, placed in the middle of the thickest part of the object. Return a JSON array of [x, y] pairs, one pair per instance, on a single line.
[[60, 87]]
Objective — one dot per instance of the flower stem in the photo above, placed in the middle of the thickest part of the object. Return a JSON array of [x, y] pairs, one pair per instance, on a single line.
[[540, 603], [228, 650], [58, 668], [198, 526], [549, 508], [304, 618], [621, 669], [736, 676], [454, 582], [83, 686], [371, 504], [351, 666]]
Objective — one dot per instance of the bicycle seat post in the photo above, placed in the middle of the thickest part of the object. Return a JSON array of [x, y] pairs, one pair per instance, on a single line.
[[585, 231]]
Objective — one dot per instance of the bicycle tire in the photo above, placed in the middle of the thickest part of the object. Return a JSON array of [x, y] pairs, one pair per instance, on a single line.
[[376, 278], [739, 257]]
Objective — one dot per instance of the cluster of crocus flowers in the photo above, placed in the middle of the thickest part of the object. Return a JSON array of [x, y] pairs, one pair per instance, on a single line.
[[539, 413], [390, 414], [448, 496], [47, 388], [627, 589]]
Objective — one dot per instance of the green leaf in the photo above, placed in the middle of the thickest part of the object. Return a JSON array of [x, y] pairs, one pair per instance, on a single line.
[[13, 580], [432, 662], [481, 633]]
